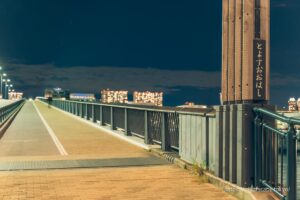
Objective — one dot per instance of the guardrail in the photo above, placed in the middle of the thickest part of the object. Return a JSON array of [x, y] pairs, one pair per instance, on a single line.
[[155, 125], [189, 131], [8, 110], [271, 147]]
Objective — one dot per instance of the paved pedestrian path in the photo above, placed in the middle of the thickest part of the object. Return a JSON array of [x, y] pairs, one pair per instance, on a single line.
[[27, 136], [95, 165]]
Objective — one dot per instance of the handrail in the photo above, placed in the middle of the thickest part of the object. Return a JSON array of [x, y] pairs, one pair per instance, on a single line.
[[265, 137], [7, 110], [207, 112], [289, 120]]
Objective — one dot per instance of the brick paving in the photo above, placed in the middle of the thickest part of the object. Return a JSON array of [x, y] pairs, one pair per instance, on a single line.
[[163, 182], [81, 141]]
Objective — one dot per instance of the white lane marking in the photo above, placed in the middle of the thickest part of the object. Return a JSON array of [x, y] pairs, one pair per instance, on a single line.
[[57, 143]]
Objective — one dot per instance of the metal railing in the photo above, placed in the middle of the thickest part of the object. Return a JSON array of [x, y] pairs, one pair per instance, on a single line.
[[154, 125], [276, 153], [8, 110]]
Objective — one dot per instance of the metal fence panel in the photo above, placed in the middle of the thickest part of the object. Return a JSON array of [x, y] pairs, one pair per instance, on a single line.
[[119, 117], [106, 114], [173, 129], [136, 121], [154, 125], [89, 113]]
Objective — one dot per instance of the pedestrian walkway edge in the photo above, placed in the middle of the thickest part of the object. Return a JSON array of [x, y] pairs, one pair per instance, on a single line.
[[56, 141], [226, 186], [4, 126]]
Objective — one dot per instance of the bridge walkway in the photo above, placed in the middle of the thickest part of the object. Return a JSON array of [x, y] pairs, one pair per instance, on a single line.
[[46, 154]]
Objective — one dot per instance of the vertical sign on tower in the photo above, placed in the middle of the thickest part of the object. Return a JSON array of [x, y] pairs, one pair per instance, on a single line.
[[259, 69]]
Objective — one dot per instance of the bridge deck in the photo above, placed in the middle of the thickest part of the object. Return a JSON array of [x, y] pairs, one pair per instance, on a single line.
[[69, 159], [27, 136]]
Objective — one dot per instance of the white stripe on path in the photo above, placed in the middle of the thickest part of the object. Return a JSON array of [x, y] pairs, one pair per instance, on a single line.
[[56, 141]]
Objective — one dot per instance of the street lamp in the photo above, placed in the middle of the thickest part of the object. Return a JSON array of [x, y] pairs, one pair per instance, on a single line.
[[9, 88], [3, 94]]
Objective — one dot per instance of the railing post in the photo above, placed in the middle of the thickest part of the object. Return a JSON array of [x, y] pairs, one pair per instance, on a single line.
[[165, 138], [76, 108], [147, 138], [127, 131], [291, 163], [257, 148], [86, 111], [101, 116], [2, 114], [112, 123], [93, 113], [82, 110]]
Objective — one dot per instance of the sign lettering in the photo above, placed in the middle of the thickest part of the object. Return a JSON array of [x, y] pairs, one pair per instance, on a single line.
[[259, 70]]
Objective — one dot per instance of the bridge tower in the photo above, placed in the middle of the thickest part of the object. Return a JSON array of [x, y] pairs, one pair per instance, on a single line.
[[245, 84], [245, 51]]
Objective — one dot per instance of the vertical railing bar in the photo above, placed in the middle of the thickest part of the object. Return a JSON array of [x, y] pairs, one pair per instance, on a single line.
[[257, 155], [263, 152], [101, 116], [291, 162], [86, 111], [277, 163], [112, 123], [270, 166], [93, 113], [281, 150], [147, 136]]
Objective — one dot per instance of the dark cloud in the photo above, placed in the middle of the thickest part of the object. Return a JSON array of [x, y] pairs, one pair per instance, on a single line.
[[92, 79]]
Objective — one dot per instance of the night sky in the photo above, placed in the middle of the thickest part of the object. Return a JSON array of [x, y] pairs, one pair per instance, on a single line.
[[161, 45]]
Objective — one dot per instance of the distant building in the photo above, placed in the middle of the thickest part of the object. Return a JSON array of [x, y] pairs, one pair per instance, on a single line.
[[15, 95], [57, 93], [82, 97], [114, 96], [48, 93], [191, 105], [148, 98], [292, 104]]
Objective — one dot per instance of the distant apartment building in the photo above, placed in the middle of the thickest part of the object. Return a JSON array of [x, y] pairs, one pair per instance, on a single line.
[[57, 93], [292, 104], [82, 97], [148, 98], [191, 105], [15, 95], [114, 96]]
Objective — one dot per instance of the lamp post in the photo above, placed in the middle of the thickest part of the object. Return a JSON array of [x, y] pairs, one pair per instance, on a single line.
[[3, 93], [6, 81], [5, 90], [9, 90]]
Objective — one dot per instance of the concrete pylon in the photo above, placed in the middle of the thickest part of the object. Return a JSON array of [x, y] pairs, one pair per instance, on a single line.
[[245, 51], [245, 85]]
